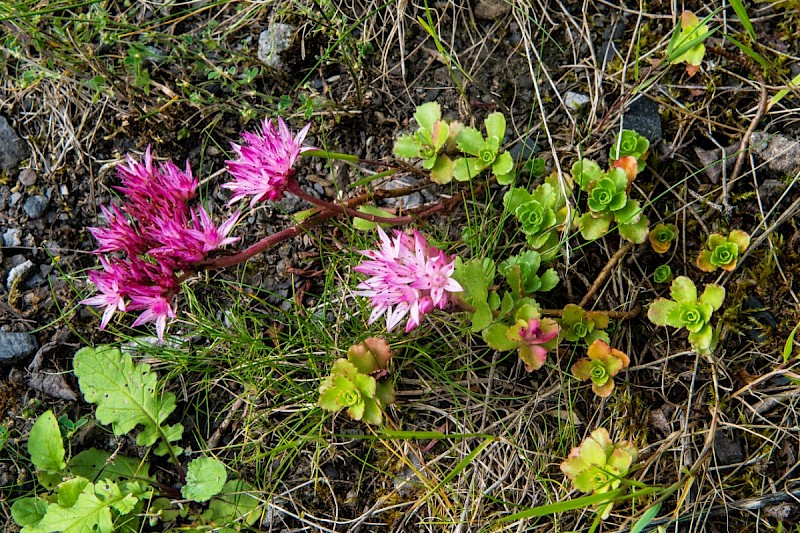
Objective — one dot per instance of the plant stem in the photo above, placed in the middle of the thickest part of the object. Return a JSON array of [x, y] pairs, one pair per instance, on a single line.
[[294, 188]]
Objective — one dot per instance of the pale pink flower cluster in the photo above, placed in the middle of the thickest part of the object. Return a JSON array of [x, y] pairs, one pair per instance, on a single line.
[[265, 163], [409, 276], [150, 240]]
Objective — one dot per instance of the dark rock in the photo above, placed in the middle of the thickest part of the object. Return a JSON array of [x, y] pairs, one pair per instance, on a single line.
[[35, 206], [759, 321], [27, 177], [13, 150], [642, 116], [727, 448], [524, 149], [781, 153], [16, 346]]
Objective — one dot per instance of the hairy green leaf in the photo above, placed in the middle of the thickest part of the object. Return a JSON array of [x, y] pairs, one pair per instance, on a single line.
[[28, 511], [205, 478], [96, 464], [126, 395]]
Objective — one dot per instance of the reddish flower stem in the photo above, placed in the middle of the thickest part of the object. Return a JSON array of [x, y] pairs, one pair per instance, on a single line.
[[294, 188]]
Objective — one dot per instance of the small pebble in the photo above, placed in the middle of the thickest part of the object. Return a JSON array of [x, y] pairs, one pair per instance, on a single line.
[[11, 237], [16, 346], [35, 206], [272, 42], [576, 101], [15, 197], [27, 177], [19, 271]]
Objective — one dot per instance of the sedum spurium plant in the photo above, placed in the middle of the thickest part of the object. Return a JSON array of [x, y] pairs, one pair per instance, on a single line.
[[601, 365], [352, 384], [607, 200], [586, 326], [723, 252], [662, 236], [686, 310], [599, 465], [484, 152], [541, 214], [430, 142], [98, 491], [629, 152], [686, 45], [663, 274]]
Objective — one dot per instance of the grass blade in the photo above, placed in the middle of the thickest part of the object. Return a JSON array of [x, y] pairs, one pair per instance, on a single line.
[[741, 12]]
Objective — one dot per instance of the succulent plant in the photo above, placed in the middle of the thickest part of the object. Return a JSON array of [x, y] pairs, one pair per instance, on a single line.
[[608, 202], [723, 252], [485, 152], [352, 384], [663, 274], [429, 142], [535, 337], [522, 273], [629, 143], [688, 311], [541, 214], [602, 364], [578, 324], [661, 237], [599, 465], [691, 31]]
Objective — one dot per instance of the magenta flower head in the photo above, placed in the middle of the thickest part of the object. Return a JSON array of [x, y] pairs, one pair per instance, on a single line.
[[409, 276], [153, 239], [265, 162]]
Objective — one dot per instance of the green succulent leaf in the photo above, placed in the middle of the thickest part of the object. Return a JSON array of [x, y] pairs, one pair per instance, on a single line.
[[407, 146], [495, 337], [466, 168], [470, 141], [427, 114], [593, 228], [585, 171], [635, 233], [713, 295], [495, 125], [442, 170], [660, 310], [683, 290]]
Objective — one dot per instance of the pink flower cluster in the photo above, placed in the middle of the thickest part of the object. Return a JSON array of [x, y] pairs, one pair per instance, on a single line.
[[409, 277], [265, 162], [150, 239]]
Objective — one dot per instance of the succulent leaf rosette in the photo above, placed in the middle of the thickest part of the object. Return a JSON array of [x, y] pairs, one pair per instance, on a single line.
[[485, 152], [578, 324], [688, 311], [663, 274], [723, 252], [599, 465], [429, 142], [602, 364], [608, 202], [540, 213], [629, 143], [661, 237], [536, 336], [352, 384]]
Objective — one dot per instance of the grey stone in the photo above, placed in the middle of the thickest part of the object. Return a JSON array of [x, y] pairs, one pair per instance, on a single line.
[[14, 198], [728, 448], [781, 153], [16, 346], [35, 206], [642, 116], [27, 177], [524, 149], [576, 101], [20, 272], [13, 150], [272, 42], [11, 237]]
